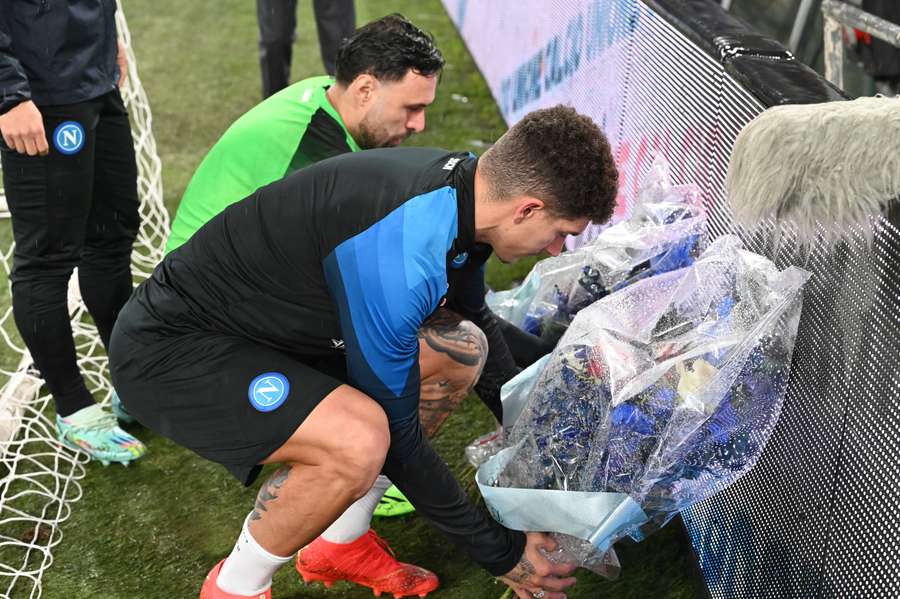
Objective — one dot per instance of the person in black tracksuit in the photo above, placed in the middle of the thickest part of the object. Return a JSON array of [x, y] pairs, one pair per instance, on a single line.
[[285, 331], [335, 20], [70, 179]]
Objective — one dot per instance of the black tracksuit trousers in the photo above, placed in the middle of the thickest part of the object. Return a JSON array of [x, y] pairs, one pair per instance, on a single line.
[[72, 210], [335, 20]]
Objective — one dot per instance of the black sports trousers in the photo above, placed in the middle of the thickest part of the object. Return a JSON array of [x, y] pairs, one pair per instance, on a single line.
[[335, 20], [77, 209]]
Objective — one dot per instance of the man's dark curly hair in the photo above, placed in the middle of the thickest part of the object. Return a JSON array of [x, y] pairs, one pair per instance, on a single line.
[[387, 49], [558, 156]]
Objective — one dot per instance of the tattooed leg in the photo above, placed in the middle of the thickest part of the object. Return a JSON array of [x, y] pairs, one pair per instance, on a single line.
[[452, 353], [269, 492]]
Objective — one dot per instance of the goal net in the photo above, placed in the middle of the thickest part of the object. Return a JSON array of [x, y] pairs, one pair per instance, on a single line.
[[39, 479]]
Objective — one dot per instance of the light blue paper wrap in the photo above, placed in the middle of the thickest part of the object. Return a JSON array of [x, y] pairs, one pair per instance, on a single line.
[[598, 518]]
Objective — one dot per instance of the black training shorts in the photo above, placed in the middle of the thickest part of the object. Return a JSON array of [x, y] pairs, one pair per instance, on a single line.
[[226, 398]]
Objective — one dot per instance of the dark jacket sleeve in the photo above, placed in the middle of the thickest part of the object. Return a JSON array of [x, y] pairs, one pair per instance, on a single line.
[[499, 367], [426, 480], [14, 88], [466, 298]]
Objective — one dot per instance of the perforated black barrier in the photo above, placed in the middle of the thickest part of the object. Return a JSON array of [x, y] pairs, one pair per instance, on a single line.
[[819, 515]]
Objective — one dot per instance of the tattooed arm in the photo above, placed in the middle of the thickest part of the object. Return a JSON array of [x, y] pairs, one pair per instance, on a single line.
[[537, 576], [383, 361]]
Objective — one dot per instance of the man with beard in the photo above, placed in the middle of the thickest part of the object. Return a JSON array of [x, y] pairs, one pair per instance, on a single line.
[[387, 74]]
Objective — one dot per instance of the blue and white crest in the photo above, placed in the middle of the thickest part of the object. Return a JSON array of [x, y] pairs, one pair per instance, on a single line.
[[460, 260], [68, 137], [268, 391]]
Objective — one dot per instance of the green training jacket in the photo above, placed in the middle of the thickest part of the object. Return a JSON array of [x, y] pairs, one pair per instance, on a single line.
[[292, 129]]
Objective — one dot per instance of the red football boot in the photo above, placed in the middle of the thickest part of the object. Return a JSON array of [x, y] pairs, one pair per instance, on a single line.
[[367, 561], [211, 591]]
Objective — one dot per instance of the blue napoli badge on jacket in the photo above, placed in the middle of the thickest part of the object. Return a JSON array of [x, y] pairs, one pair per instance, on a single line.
[[68, 137], [460, 260], [268, 391]]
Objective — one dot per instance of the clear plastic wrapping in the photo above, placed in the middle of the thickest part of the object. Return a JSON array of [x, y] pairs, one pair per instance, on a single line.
[[657, 396], [486, 446], [664, 232]]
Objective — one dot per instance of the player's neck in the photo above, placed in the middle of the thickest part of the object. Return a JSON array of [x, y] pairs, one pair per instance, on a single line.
[[338, 98], [489, 214]]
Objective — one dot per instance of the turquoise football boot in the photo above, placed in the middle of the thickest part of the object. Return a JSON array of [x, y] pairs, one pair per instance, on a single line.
[[119, 410], [95, 432]]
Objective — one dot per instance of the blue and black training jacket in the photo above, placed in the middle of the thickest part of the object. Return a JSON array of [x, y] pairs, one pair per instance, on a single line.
[[360, 248]]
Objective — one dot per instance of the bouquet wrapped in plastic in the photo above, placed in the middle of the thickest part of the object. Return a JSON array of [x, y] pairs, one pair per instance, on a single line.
[[657, 397], [664, 232]]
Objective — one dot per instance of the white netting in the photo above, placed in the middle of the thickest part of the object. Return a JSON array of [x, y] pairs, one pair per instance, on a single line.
[[40, 477]]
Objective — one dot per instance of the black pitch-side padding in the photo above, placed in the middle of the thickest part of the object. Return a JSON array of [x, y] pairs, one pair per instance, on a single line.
[[750, 44], [762, 65], [781, 82], [702, 21], [818, 517]]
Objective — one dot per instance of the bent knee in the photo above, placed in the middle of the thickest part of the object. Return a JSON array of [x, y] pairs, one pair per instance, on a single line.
[[363, 446], [346, 435]]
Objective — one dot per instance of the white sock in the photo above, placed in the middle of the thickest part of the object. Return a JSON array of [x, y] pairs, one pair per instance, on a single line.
[[249, 569], [354, 522]]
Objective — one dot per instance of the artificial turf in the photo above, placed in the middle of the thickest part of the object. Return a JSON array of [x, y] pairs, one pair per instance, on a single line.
[[153, 530]]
